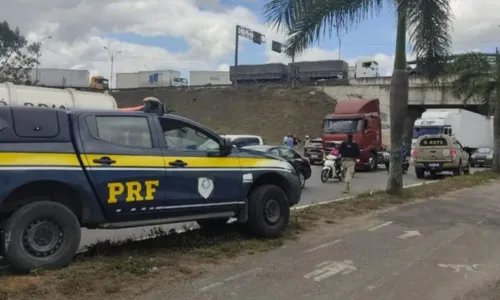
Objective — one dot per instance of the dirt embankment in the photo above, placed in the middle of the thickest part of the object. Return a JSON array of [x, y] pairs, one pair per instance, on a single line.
[[270, 112]]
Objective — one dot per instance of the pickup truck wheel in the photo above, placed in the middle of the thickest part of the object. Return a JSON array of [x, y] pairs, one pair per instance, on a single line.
[[458, 171], [420, 173], [302, 179], [213, 223], [268, 211], [41, 235]]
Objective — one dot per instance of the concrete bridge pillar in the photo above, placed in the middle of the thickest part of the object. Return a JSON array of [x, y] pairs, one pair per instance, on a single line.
[[414, 113]]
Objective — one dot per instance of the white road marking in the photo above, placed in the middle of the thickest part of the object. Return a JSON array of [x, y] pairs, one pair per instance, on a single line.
[[323, 246], [380, 226], [409, 234], [321, 203], [457, 268], [210, 286], [351, 197], [242, 274], [229, 279], [328, 269]]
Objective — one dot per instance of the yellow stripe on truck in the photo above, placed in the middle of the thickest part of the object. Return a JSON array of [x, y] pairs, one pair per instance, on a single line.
[[134, 161], [38, 159]]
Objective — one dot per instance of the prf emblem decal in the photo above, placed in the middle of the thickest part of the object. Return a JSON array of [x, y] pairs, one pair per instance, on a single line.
[[205, 187], [135, 190]]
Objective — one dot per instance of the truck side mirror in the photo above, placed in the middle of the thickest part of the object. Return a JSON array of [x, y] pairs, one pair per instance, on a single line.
[[226, 146]]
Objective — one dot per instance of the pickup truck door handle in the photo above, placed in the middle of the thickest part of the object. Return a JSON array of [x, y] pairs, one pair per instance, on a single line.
[[178, 163], [104, 161]]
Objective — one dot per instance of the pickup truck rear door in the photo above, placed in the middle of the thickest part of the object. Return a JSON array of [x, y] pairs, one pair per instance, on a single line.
[[124, 162]]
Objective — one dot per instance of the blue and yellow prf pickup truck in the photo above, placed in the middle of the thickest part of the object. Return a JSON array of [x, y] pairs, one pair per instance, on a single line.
[[63, 170]]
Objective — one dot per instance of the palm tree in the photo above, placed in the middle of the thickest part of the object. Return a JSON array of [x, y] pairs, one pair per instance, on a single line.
[[428, 23], [478, 79]]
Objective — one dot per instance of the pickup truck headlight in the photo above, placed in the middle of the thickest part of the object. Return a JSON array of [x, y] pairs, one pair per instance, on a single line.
[[473, 156], [489, 157]]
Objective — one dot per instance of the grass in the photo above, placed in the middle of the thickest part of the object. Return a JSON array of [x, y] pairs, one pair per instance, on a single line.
[[111, 270]]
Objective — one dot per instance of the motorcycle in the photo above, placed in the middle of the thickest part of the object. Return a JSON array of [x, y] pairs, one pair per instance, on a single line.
[[332, 167]]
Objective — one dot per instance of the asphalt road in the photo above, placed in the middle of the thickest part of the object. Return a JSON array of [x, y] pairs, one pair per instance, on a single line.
[[314, 192], [435, 249]]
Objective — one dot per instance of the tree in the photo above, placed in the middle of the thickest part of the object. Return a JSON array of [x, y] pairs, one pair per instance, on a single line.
[[478, 79], [17, 57], [427, 22]]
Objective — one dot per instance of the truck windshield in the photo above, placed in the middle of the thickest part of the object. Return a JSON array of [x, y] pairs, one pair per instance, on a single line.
[[419, 131], [342, 125]]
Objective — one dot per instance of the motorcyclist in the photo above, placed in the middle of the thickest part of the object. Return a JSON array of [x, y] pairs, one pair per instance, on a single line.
[[336, 152]]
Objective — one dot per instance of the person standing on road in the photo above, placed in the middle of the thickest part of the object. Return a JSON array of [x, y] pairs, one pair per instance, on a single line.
[[349, 150], [289, 142]]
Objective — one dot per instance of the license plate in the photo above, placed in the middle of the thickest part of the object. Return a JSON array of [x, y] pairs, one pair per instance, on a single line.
[[480, 160], [314, 156], [433, 165]]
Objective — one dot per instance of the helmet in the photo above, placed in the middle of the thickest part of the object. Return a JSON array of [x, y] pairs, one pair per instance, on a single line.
[[153, 105]]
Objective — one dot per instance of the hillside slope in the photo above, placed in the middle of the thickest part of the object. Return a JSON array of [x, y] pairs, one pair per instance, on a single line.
[[270, 112]]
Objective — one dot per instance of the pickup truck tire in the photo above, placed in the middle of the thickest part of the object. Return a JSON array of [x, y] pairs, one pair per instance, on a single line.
[[458, 170], [268, 211], [420, 173], [42, 235]]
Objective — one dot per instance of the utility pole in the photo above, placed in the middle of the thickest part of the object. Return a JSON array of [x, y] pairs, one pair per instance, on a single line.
[[112, 56], [236, 49], [38, 48]]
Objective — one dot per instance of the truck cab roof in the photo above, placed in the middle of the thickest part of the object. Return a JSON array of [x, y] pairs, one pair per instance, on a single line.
[[356, 106]]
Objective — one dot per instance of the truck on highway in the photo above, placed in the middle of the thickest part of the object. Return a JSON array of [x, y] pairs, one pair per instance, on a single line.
[[64, 170], [365, 67], [204, 78], [160, 78], [471, 129], [360, 117], [67, 78]]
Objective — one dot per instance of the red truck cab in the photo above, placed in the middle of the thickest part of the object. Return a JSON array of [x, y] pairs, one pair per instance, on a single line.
[[361, 117]]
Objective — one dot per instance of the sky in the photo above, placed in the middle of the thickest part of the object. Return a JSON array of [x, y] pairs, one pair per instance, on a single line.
[[192, 35]]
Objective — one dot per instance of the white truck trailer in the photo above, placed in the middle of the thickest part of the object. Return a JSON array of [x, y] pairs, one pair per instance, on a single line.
[[127, 80], [161, 78], [471, 129], [203, 78], [60, 77]]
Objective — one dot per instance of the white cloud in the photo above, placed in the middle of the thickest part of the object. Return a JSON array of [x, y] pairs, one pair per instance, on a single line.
[[77, 28]]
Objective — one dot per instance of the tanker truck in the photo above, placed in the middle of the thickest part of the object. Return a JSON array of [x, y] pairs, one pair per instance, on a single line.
[[21, 95]]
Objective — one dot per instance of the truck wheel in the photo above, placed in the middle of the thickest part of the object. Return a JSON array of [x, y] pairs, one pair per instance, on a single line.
[[268, 211], [372, 162], [41, 235], [420, 173], [458, 170], [467, 171], [213, 223], [302, 179]]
